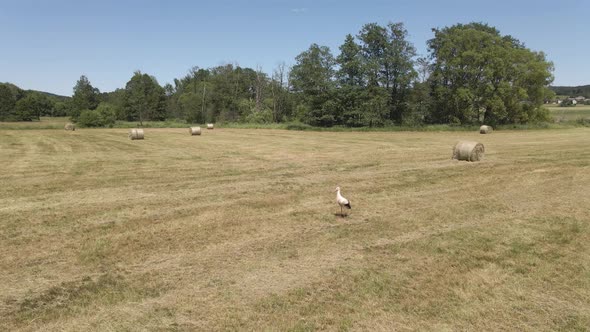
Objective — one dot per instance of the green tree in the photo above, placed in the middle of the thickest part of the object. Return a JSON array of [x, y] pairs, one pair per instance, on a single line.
[[144, 99], [62, 108], [225, 87], [352, 93], [115, 100], [7, 103], [481, 76], [173, 108], [229, 93], [192, 107], [350, 62], [312, 80], [420, 102], [389, 64], [313, 73], [32, 106], [86, 97]]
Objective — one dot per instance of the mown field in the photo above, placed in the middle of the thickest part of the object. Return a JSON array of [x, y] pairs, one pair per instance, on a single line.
[[239, 230]]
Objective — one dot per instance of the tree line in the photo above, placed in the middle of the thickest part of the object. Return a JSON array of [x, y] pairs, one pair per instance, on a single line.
[[17, 104], [572, 91], [472, 74]]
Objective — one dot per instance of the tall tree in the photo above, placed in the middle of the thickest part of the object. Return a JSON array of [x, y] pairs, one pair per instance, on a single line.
[[313, 73], [352, 94], [312, 79], [226, 87], [389, 63], [189, 98], [481, 76], [350, 62], [86, 97], [144, 99]]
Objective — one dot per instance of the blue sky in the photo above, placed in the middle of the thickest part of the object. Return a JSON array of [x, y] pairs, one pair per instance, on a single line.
[[47, 45]]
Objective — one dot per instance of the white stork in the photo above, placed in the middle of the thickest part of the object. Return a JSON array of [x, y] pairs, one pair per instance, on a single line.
[[341, 201]]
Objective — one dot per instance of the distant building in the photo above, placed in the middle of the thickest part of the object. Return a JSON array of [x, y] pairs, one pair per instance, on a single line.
[[576, 100]]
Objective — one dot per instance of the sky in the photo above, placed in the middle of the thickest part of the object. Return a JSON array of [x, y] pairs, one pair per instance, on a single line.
[[47, 45]]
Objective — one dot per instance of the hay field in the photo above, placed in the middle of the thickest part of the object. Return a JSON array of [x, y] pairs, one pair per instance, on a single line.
[[238, 230]]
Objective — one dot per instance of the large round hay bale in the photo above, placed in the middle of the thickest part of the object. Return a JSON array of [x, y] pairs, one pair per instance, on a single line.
[[194, 131], [70, 126], [209, 126], [467, 150], [485, 129], [135, 134]]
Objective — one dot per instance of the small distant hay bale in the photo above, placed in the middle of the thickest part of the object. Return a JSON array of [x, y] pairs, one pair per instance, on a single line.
[[209, 126], [135, 134], [485, 129], [70, 126], [194, 131], [467, 150]]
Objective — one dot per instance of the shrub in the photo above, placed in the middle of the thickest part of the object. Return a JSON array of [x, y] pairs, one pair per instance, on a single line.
[[108, 114], [297, 126], [103, 116], [88, 118], [262, 116]]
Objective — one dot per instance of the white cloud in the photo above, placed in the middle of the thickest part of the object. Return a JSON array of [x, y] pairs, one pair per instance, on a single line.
[[298, 10]]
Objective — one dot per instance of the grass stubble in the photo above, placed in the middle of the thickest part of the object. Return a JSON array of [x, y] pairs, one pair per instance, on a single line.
[[238, 230]]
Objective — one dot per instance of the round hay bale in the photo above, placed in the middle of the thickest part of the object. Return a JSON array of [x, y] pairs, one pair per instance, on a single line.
[[135, 134], [70, 126], [467, 150], [209, 126], [485, 129], [194, 131]]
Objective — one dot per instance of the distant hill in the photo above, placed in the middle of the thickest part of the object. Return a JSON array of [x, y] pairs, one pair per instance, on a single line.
[[19, 93], [51, 95], [582, 90]]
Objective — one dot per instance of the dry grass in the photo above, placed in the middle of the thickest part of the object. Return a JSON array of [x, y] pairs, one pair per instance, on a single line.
[[237, 231]]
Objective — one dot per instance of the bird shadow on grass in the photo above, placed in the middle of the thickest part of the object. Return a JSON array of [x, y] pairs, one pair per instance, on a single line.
[[340, 215]]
